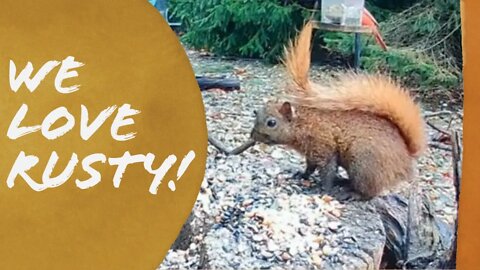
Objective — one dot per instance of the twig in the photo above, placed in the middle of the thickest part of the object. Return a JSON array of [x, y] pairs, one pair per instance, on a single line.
[[450, 123], [217, 145], [440, 146], [433, 114], [242, 148], [443, 39], [438, 129]]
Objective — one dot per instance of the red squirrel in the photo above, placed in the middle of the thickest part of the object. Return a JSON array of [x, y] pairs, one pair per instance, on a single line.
[[366, 124]]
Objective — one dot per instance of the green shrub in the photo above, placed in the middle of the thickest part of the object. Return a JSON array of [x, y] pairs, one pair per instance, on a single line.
[[423, 36], [416, 69], [424, 45], [248, 28]]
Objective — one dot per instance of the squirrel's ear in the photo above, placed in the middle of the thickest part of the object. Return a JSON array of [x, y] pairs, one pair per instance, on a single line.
[[286, 111]]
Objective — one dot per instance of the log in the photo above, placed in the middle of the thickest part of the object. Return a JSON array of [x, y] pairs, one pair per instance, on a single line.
[[399, 231], [184, 238], [415, 238], [227, 84]]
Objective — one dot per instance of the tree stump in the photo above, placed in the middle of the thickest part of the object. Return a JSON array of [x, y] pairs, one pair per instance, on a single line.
[[394, 231]]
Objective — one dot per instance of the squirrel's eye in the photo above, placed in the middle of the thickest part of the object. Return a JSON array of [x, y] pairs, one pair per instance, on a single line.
[[271, 123], [255, 112]]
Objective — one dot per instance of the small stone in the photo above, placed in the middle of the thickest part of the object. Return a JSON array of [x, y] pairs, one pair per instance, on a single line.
[[306, 183], [257, 238], [253, 228], [277, 154], [302, 231], [305, 221], [349, 240], [262, 147], [181, 253], [245, 176], [260, 216], [286, 256], [221, 177], [334, 226], [319, 239], [247, 202], [172, 256], [272, 171], [311, 220], [316, 260], [327, 198], [227, 248], [242, 248], [267, 222], [193, 246], [327, 250], [293, 250], [266, 254], [272, 246], [313, 246], [336, 213]]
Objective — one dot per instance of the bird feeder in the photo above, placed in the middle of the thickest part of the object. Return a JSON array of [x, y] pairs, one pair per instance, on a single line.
[[342, 12]]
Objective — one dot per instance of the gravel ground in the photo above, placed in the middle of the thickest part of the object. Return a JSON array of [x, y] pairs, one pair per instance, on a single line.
[[250, 213]]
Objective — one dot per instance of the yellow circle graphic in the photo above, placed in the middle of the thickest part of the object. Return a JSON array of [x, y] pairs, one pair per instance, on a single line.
[[103, 135]]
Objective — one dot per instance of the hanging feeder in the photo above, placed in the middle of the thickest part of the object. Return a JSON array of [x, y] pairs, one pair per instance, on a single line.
[[342, 12]]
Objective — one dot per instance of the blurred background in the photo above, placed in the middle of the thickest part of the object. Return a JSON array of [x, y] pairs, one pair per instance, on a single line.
[[423, 36]]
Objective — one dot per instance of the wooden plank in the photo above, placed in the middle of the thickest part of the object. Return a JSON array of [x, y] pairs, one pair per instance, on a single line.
[[341, 28]]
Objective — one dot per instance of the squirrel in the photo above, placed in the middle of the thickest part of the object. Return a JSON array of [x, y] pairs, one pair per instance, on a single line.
[[366, 124]]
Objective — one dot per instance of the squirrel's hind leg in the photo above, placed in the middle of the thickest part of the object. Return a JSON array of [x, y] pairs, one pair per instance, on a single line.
[[326, 162], [328, 172], [327, 165], [309, 170]]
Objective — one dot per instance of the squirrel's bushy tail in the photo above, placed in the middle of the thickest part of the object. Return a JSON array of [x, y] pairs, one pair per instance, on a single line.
[[297, 58], [350, 91], [375, 94]]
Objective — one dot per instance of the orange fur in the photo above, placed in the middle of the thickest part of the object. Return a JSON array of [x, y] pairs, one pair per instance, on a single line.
[[374, 94], [297, 58], [364, 123]]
